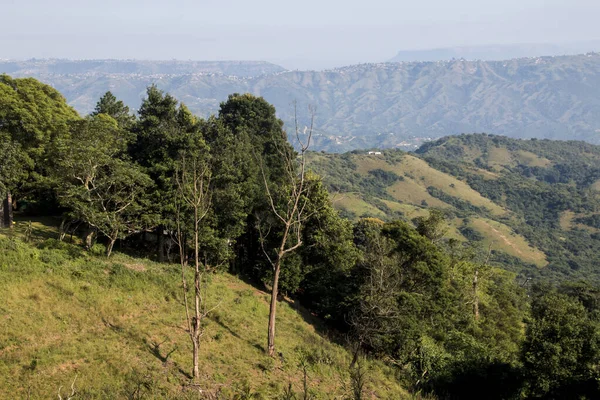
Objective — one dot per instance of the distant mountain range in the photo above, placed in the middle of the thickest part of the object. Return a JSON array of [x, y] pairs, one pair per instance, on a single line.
[[497, 52], [37, 67], [367, 105]]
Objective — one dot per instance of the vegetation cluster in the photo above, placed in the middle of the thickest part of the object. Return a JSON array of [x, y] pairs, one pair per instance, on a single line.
[[206, 198]]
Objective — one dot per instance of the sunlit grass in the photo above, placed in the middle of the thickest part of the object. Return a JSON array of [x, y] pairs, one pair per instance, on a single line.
[[118, 325]]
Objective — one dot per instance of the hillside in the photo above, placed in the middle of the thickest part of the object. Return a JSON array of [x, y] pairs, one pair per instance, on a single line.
[[535, 202], [116, 326], [93, 303], [374, 105]]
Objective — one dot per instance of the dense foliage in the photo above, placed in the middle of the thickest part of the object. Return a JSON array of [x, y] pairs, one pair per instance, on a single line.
[[432, 307]]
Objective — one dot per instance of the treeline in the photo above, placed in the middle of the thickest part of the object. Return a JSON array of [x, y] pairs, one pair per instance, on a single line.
[[230, 193]]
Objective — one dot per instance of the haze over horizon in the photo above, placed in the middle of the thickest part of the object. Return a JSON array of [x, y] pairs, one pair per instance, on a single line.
[[314, 35]]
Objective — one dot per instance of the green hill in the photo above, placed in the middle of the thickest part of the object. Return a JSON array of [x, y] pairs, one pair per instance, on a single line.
[[116, 327], [535, 203]]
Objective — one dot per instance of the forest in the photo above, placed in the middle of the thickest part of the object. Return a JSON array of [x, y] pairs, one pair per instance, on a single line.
[[230, 195]]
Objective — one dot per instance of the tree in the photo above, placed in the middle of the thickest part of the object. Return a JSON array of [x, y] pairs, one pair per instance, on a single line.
[[288, 203], [233, 185], [327, 255], [97, 182], [109, 105], [33, 115], [434, 227], [163, 129], [561, 353], [192, 178], [13, 169], [258, 134]]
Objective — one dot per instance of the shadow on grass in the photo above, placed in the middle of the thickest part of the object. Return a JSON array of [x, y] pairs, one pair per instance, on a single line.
[[320, 326], [217, 319], [150, 346], [42, 228]]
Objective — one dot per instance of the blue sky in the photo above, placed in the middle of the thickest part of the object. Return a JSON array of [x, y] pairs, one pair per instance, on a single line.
[[305, 34]]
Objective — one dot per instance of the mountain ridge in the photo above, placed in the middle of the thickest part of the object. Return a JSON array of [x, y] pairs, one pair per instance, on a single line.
[[389, 105]]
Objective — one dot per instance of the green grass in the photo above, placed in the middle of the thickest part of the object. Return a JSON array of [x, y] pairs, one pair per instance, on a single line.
[[354, 203], [118, 326]]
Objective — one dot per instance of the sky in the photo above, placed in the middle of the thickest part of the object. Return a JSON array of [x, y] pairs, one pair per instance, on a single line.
[[308, 34]]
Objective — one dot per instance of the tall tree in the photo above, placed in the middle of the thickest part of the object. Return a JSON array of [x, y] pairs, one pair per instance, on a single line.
[[163, 129], [109, 105], [288, 209], [97, 182], [259, 135], [13, 169], [34, 115], [194, 198], [233, 185]]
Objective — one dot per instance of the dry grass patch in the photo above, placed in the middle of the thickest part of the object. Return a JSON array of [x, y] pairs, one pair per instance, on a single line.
[[503, 238], [530, 159], [354, 203], [427, 176]]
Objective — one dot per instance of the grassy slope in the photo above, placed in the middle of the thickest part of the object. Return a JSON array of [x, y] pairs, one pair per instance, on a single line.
[[409, 195], [118, 325]]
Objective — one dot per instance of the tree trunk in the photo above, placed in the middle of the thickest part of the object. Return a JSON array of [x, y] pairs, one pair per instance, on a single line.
[[196, 370], [273, 311], [110, 246], [475, 296], [356, 354], [198, 297], [89, 238], [62, 229], [160, 240], [8, 211]]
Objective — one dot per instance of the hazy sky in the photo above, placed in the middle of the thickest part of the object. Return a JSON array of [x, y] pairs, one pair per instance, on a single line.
[[301, 34]]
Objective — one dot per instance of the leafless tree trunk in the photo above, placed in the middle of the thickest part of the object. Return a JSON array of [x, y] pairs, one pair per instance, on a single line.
[[292, 216], [193, 181]]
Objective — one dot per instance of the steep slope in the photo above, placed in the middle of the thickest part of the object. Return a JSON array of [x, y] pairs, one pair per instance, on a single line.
[[116, 327], [389, 104], [535, 202]]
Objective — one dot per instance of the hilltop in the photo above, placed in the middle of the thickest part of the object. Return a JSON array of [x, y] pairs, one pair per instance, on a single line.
[[369, 105], [535, 202]]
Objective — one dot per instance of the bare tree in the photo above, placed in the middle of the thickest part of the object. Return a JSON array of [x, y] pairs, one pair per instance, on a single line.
[[193, 182], [288, 206]]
